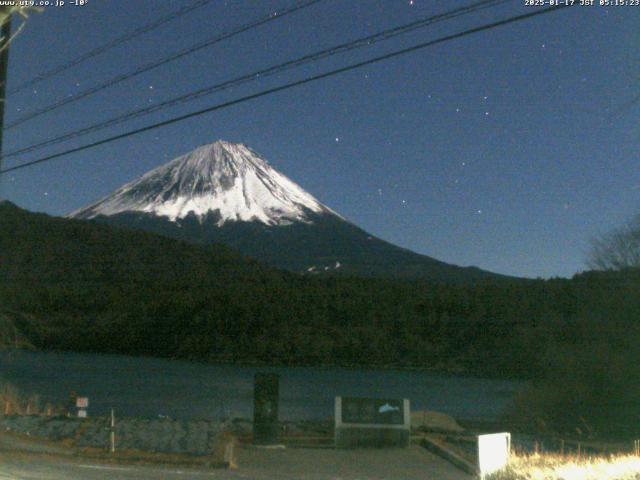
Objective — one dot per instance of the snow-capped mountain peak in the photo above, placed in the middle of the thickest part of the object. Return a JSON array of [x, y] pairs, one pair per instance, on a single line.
[[224, 178]]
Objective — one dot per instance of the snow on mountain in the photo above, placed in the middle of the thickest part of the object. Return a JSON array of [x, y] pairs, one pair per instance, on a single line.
[[227, 178]]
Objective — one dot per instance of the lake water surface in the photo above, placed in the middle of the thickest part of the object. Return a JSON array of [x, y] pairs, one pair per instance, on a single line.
[[149, 387]]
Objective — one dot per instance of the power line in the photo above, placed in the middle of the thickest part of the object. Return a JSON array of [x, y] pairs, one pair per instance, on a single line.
[[309, 58], [287, 86], [108, 46], [156, 64]]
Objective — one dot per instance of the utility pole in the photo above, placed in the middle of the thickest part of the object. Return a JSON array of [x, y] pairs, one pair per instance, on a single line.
[[112, 431], [4, 66]]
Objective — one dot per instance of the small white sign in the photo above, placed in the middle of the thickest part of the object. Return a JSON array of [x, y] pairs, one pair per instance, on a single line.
[[82, 414], [82, 402], [493, 452]]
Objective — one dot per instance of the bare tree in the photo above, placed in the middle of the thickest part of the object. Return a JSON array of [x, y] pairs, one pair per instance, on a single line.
[[618, 249], [5, 15]]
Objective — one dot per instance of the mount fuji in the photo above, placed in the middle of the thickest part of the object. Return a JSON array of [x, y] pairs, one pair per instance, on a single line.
[[226, 193]]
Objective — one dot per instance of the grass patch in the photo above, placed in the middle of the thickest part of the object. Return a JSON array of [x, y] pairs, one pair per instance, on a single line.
[[556, 467], [15, 402]]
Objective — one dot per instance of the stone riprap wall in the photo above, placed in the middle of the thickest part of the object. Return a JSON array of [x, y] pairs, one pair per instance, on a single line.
[[152, 435]]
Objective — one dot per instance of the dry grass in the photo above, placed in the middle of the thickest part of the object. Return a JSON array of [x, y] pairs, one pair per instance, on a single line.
[[15, 402], [556, 467], [12, 402]]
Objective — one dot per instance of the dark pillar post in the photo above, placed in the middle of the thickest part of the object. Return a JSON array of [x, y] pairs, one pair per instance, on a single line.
[[265, 409]]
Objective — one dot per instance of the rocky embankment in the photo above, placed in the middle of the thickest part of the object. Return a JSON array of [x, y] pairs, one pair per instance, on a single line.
[[160, 435]]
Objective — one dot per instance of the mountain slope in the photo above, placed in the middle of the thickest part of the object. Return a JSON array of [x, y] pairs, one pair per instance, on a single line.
[[225, 193]]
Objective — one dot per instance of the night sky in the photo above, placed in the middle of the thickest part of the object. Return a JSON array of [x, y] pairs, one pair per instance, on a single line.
[[508, 149]]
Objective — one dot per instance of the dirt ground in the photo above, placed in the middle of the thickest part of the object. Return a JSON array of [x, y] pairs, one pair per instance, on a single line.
[[253, 464]]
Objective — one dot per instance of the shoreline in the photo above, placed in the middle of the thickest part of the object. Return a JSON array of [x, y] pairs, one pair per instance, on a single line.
[[445, 373]]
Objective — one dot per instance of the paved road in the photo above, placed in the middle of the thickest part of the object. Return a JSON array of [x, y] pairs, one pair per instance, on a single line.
[[255, 464]]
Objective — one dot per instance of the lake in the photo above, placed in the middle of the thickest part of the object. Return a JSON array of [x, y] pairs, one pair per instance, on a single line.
[[148, 387]]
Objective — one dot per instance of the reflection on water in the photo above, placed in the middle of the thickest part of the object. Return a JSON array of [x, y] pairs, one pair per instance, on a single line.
[[149, 387]]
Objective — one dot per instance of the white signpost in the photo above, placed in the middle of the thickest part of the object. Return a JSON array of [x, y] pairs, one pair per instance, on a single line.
[[82, 403], [493, 452]]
